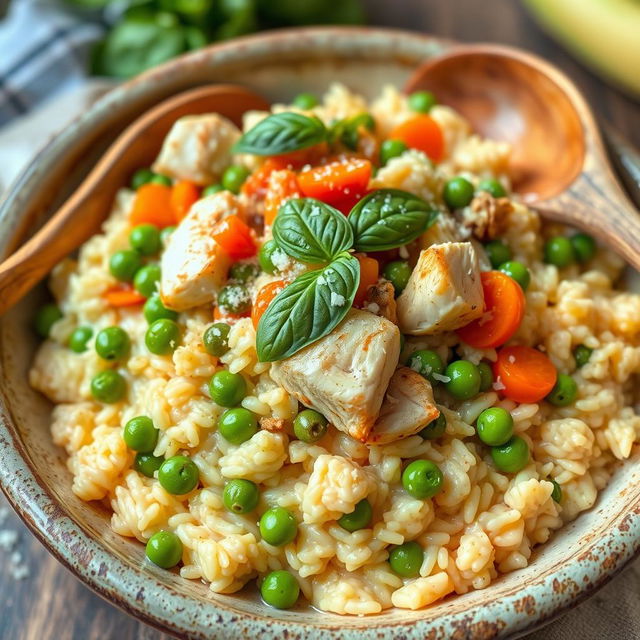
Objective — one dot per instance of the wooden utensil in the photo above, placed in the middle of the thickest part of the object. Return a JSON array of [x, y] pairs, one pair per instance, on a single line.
[[81, 215], [559, 162]]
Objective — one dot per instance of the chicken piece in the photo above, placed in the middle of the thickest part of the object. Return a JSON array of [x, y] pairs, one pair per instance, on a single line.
[[381, 301], [198, 148], [345, 374], [193, 264], [444, 291], [408, 407], [486, 217]]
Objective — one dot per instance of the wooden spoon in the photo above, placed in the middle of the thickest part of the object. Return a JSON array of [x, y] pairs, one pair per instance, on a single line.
[[559, 162], [81, 215]]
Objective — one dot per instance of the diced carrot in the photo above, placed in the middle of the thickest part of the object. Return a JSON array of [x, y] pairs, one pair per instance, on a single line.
[[369, 274], [283, 185], [504, 305], [264, 299], [256, 184], [335, 181], [235, 238], [123, 296], [526, 374], [421, 132], [183, 195], [152, 204]]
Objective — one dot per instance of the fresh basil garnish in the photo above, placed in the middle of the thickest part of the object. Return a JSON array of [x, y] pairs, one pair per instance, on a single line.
[[389, 218], [282, 133], [311, 231], [307, 309]]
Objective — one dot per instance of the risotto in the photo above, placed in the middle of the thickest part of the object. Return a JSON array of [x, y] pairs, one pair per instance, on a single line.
[[332, 354]]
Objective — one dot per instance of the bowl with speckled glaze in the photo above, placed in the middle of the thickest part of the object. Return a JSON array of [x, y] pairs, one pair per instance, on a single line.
[[573, 565]]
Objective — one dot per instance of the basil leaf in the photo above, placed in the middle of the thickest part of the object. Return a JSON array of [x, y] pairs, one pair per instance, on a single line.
[[307, 309], [281, 133], [311, 231], [389, 218]]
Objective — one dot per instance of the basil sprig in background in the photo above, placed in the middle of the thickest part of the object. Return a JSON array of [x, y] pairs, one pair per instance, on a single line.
[[313, 232]]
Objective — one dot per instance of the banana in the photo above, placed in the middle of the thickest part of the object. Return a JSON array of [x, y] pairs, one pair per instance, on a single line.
[[604, 34]]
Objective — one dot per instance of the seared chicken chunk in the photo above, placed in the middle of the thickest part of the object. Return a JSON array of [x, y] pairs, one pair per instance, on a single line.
[[193, 264], [345, 374], [198, 148], [408, 407], [444, 291]]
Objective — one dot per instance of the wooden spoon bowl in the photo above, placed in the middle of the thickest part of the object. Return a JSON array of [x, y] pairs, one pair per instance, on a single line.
[[559, 162], [82, 214]]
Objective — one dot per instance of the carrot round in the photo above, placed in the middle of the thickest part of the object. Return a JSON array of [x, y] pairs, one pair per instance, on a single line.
[[152, 204], [264, 299], [235, 238], [124, 296], [421, 132], [283, 185], [526, 374], [504, 305], [334, 182], [183, 195], [369, 274]]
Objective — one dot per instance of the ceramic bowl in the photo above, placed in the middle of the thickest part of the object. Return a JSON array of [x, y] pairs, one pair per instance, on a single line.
[[578, 559]]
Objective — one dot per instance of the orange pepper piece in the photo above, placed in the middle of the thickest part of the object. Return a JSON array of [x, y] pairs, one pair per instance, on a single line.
[[235, 238], [264, 299], [152, 204], [123, 296], [421, 132], [183, 195]]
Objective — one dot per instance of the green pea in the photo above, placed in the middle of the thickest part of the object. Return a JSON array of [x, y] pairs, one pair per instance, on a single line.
[[518, 272], [310, 426], [237, 425], [265, 256], [359, 518], [584, 247], [160, 179], [162, 336], [464, 379], [147, 464], [227, 389], [123, 265], [397, 273], [79, 338], [305, 101], [234, 298], [486, 376], [494, 426], [426, 363], [233, 177], [140, 177], [493, 187], [556, 494], [216, 339], [422, 101], [108, 386], [145, 239], [559, 252], [46, 316], [178, 475], [165, 235], [212, 189], [349, 133], [241, 496], [278, 526], [422, 479], [435, 429], [406, 559], [564, 391], [391, 149], [140, 434], [582, 354], [458, 192], [244, 271], [113, 343], [146, 280], [512, 456], [280, 589], [164, 549], [497, 252], [154, 310]]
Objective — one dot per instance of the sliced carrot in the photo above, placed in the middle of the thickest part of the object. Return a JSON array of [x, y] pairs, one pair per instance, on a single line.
[[283, 185], [123, 296], [526, 374], [336, 181], [504, 305], [152, 204], [369, 274], [235, 238], [183, 195], [421, 132], [264, 299]]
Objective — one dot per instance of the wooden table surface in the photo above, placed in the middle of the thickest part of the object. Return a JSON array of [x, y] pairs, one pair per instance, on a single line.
[[51, 604]]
